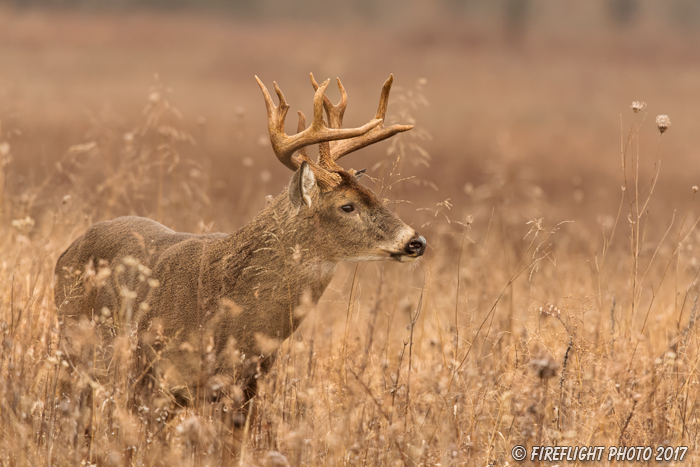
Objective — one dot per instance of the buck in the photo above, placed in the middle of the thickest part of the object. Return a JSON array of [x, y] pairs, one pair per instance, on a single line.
[[230, 295]]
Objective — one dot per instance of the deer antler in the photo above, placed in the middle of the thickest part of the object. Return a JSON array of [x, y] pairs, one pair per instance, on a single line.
[[334, 142], [285, 145], [335, 112], [378, 133]]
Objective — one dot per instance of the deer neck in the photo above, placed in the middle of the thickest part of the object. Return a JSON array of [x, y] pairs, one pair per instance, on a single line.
[[273, 265]]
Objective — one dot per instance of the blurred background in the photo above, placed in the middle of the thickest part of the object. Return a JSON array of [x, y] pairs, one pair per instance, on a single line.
[[516, 102]]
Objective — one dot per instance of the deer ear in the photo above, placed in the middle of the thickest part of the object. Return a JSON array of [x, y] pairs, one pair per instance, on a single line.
[[303, 187], [360, 173]]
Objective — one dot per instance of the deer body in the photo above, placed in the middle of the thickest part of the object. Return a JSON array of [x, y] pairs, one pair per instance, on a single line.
[[232, 296]]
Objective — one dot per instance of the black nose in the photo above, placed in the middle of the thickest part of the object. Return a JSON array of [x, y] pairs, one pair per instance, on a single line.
[[416, 246]]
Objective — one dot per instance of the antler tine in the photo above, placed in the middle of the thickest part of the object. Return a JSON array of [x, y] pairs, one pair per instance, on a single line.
[[275, 121], [335, 120], [378, 133], [301, 126], [275, 114], [319, 95], [284, 145], [335, 112], [282, 108], [384, 97]]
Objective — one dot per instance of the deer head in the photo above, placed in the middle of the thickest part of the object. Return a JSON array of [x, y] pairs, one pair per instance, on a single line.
[[352, 223]]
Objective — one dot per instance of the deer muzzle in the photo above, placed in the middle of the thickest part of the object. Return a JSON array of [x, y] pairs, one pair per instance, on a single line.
[[415, 246]]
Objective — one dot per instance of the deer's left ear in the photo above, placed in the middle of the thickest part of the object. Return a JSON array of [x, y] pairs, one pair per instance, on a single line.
[[302, 188]]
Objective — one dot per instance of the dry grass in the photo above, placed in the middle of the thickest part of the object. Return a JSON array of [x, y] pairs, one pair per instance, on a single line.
[[551, 308]]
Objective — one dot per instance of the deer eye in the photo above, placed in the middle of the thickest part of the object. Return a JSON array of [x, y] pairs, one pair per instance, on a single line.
[[347, 208]]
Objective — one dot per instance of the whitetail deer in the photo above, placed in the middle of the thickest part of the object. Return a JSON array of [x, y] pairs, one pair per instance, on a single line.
[[233, 294]]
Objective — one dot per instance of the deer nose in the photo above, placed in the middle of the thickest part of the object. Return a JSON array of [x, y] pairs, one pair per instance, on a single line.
[[416, 246]]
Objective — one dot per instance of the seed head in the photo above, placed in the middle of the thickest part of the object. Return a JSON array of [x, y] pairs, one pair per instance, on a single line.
[[638, 105], [662, 123], [695, 189], [23, 224]]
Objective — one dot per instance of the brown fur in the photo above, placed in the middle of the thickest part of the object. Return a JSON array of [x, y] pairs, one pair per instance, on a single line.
[[238, 290]]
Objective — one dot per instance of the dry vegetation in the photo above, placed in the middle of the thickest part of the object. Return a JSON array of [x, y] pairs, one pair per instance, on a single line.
[[552, 307]]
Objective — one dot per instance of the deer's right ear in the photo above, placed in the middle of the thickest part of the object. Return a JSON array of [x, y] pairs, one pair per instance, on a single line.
[[302, 187]]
